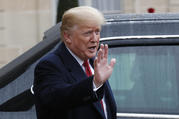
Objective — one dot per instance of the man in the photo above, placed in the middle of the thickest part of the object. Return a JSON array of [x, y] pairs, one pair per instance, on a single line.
[[66, 84]]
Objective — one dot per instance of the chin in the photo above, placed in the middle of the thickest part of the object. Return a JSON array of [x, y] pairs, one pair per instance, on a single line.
[[92, 55]]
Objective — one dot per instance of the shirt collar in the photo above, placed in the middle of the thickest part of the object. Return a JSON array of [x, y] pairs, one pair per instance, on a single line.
[[76, 57]]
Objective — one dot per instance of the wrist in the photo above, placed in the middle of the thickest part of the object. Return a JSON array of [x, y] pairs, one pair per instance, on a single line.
[[97, 83]]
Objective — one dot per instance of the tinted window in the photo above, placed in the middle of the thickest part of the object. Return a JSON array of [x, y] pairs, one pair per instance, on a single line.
[[145, 79]]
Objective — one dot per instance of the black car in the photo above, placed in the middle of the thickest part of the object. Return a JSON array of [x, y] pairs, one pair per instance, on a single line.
[[145, 78]]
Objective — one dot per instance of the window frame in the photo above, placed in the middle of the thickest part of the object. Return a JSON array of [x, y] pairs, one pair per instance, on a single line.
[[147, 40]]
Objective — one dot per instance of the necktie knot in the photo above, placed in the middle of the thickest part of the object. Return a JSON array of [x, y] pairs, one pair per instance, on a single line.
[[87, 68], [85, 63]]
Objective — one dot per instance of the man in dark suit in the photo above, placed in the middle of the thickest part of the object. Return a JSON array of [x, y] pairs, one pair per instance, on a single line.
[[70, 83]]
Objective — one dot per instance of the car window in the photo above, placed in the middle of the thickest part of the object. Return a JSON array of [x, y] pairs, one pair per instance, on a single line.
[[145, 79]]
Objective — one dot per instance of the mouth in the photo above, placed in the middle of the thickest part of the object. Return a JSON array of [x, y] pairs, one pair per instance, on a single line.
[[92, 49]]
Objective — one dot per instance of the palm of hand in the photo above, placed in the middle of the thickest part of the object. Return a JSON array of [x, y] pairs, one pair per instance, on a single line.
[[102, 69]]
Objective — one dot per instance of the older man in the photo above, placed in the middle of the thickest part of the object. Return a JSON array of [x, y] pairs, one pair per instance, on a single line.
[[71, 83]]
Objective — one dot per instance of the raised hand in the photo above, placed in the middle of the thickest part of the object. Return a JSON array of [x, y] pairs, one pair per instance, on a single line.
[[102, 70]]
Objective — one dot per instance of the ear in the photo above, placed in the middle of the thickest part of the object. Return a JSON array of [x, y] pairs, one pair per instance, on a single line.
[[67, 37]]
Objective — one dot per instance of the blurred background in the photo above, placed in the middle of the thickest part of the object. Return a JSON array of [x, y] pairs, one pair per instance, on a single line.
[[23, 22]]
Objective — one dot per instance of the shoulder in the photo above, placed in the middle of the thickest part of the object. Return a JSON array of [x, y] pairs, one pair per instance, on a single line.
[[53, 58], [48, 62]]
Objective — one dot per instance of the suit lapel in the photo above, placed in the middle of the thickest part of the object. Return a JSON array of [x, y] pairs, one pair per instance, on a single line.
[[97, 106], [70, 63], [109, 94], [110, 102]]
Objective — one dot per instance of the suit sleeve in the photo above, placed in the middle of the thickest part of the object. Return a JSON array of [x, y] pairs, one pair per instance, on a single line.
[[53, 88]]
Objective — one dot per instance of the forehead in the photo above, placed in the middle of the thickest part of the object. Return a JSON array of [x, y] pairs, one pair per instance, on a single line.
[[87, 26]]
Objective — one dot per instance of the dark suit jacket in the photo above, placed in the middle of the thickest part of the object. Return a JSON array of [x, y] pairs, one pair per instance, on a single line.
[[63, 91]]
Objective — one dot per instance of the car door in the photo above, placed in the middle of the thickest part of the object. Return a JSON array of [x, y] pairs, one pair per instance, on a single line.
[[145, 78]]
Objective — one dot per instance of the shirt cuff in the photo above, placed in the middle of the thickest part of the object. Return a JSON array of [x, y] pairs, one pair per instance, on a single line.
[[96, 88]]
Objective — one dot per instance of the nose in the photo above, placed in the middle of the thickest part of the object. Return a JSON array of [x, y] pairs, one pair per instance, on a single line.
[[95, 37]]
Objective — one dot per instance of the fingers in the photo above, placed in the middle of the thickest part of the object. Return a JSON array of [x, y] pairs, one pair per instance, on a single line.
[[103, 70], [100, 53], [103, 52], [112, 63], [102, 46], [95, 62], [102, 49], [106, 51], [99, 56]]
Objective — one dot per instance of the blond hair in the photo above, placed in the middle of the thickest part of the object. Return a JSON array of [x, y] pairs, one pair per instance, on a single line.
[[80, 16]]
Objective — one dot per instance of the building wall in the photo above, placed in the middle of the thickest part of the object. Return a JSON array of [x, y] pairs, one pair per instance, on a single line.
[[141, 6], [22, 23], [133, 6]]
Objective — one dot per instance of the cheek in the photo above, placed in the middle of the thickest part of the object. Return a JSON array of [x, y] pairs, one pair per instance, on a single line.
[[97, 46]]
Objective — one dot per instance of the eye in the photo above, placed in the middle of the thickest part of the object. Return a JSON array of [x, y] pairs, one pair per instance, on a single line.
[[97, 32], [88, 33]]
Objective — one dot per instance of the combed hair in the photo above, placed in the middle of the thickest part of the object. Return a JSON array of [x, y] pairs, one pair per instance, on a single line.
[[79, 16]]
